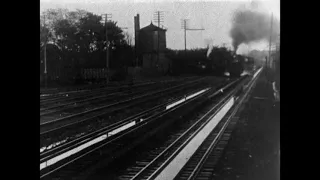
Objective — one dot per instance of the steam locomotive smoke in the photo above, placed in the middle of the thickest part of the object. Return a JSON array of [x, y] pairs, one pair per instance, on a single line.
[[210, 47], [249, 26], [209, 43]]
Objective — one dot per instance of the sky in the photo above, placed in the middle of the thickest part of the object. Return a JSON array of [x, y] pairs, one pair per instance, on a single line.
[[213, 15]]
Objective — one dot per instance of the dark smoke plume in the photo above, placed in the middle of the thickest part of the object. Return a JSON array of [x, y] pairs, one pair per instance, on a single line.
[[250, 26]]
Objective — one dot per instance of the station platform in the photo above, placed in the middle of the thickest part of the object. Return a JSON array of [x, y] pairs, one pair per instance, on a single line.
[[253, 151]]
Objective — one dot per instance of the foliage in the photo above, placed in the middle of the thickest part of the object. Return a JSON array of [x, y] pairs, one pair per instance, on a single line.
[[80, 38], [186, 61]]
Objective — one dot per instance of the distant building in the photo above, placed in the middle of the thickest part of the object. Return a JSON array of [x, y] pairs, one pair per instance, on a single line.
[[152, 45], [148, 39]]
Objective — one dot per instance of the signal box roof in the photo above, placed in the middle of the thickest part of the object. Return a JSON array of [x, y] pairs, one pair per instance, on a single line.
[[152, 27]]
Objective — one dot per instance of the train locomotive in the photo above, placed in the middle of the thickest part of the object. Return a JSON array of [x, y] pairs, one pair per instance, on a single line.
[[236, 66]]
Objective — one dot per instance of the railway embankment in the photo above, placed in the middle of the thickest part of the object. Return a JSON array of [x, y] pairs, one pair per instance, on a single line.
[[253, 151]]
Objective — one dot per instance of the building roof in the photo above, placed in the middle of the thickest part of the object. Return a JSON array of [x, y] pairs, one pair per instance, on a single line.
[[152, 27]]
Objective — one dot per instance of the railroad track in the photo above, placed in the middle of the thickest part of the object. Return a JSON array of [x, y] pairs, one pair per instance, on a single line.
[[110, 130], [71, 128], [62, 121], [150, 167], [75, 95], [202, 164], [92, 101], [52, 92], [112, 120], [114, 144], [50, 99]]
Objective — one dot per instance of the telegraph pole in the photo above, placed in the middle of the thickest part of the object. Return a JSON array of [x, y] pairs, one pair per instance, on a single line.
[[45, 53], [136, 43], [107, 46], [270, 38], [268, 61], [158, 17], [184, 26], [136, 37], [185, 37]]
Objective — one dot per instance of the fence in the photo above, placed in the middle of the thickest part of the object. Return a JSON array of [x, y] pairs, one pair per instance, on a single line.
[[96, 73]]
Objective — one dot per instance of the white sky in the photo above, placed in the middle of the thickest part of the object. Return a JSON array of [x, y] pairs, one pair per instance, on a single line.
[[213, 15]]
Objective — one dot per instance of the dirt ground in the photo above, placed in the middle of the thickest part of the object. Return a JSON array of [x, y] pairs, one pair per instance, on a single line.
[[253, 152]]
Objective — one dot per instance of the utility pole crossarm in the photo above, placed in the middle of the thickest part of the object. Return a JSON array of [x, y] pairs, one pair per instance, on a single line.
[[185, 28], [195, 29]]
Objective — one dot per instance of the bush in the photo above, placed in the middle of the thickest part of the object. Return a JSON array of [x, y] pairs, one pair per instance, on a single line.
[[187, 62]]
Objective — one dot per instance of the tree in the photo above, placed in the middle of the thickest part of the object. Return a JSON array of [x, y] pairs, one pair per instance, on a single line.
[[80, 37], [115, 35], [50, 17], [90, 34]]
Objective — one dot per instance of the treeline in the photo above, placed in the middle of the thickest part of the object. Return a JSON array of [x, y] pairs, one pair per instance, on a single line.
[[76, 43], [77, 40]]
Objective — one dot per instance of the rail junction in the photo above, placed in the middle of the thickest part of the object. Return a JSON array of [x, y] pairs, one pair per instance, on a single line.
[[84, 133]]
